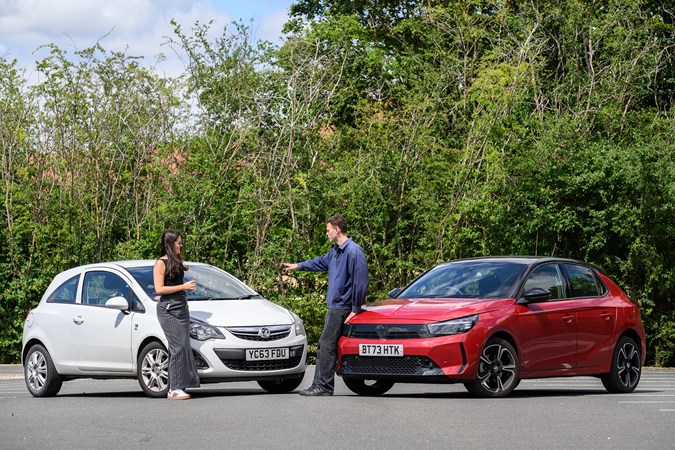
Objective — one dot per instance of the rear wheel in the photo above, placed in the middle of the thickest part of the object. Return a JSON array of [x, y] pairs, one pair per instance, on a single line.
[[153, 370], [368, 387], [282, 385], [41, 376], [624, 375], [498, 372]]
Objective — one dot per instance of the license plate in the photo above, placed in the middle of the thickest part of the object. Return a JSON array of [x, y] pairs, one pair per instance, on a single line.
[[380, 350], [266, 354]]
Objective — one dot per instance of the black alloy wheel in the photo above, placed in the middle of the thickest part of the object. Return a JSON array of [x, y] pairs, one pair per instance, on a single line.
[[498, 370], [624, 375]]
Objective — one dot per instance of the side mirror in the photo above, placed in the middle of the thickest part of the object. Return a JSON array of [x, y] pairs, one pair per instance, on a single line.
[[118, 302], [394, 292], [536, 295]]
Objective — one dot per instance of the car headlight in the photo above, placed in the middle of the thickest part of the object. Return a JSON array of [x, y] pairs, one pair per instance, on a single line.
[[299, 327], [454, 326], [203, 332]]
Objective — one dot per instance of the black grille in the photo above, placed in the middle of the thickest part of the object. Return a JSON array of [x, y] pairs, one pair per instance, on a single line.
[[376, 365], [259, 366], [235, 359], [386, 331]]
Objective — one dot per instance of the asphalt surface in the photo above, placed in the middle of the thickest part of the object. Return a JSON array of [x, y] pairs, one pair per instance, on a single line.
[[555, 413], [11, 371]]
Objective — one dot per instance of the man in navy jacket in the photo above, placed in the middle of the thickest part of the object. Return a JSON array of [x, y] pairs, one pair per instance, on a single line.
[[347, 288]]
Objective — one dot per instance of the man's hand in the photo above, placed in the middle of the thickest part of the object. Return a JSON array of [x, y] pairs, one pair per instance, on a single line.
[[349, 317], [290, 267]]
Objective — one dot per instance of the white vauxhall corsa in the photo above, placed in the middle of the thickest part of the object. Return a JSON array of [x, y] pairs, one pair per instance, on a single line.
[[100, 321]]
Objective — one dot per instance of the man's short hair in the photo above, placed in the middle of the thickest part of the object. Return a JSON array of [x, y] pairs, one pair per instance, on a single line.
[[339, 222]]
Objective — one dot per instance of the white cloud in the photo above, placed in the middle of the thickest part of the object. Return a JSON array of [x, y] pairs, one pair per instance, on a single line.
[[139, 27]]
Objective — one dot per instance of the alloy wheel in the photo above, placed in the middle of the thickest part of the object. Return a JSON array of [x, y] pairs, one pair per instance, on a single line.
[[497, 368], [154, 370], [628, 364]]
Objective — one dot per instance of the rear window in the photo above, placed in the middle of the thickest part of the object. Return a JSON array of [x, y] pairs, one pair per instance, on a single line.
[[583, 281], [66, 292]]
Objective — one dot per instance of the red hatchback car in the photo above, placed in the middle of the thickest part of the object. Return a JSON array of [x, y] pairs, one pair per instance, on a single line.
[[490, 322]]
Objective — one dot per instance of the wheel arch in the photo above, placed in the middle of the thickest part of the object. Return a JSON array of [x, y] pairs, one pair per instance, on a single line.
[[147, 340], [633, 334], [31, 342]]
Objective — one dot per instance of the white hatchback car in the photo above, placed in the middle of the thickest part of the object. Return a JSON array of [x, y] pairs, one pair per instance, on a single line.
[[100, 321]]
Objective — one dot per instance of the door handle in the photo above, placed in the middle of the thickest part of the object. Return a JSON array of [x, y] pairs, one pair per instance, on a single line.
[[606, 316], [568, 319], [78, 320]]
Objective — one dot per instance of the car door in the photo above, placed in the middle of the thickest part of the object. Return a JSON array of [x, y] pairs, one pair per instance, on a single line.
[[596, 314], [548, 330], [101, 336]]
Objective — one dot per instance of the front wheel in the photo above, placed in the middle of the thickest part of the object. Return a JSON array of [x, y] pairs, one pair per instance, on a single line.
[[370, 388], [624, 375], [41, 376], [282, 385], [153, 370], [498, 370]]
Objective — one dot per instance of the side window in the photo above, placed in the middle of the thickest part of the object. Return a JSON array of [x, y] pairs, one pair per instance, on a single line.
[[547, 277], [66, 292], [136, 304], [101, 286], [583, 281]]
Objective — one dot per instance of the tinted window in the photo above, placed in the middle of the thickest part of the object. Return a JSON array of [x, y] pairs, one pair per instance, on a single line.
[[212, 283], [101, 286], [66, 292], [583, 281], [546, 277], [472, 279]]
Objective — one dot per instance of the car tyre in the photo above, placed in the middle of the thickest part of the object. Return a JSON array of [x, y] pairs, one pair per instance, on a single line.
[[153, 370], [281, 385], [498, 370], [624, 374], [369, 388], [41, 376]]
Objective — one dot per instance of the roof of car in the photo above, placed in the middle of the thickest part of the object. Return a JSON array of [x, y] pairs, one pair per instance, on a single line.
[[527, 260]]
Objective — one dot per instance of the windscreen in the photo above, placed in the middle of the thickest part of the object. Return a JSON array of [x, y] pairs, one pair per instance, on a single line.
[[467, 279], [212, 283]]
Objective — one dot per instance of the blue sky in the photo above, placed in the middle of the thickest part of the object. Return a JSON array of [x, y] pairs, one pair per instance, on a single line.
[[137, 26]]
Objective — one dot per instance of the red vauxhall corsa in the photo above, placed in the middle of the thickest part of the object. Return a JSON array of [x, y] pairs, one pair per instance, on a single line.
[[490, 322]]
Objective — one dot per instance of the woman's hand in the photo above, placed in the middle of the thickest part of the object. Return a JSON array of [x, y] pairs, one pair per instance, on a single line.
[[190, 285]]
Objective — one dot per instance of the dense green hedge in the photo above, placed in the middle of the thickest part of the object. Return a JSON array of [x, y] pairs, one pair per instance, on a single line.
[[440, 129]]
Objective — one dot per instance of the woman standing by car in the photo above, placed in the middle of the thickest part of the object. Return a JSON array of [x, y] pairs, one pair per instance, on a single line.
[[173, 315]]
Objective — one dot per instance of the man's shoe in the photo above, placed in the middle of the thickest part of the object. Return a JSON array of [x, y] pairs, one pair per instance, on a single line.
[[177, 394], [316, 391]]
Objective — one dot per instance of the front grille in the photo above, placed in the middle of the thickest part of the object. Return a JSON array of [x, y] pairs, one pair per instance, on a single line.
[[386, 331], [377, 365], [259, 366], [235, 359], [270, 333]]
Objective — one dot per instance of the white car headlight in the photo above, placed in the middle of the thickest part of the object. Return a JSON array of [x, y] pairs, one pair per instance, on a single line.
[[299, 327], [203, 332], [454, 326]]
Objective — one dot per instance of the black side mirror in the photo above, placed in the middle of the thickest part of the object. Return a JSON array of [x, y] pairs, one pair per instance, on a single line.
[[536, 295], [394, 292]]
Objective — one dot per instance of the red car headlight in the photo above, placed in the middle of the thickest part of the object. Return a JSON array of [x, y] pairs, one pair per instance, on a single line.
[[454, 326]]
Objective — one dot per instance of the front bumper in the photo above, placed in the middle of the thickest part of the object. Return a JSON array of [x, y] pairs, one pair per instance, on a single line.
[[443, 359], [224, 359]]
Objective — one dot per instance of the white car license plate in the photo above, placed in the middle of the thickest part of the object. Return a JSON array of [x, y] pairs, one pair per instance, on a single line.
[[380, 349], [266, 354]]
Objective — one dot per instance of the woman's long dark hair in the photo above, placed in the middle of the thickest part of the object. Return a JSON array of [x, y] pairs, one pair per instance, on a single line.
[[174, 262]]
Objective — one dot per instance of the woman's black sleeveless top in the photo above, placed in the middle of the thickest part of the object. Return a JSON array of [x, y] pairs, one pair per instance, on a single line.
[[175, 280]]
